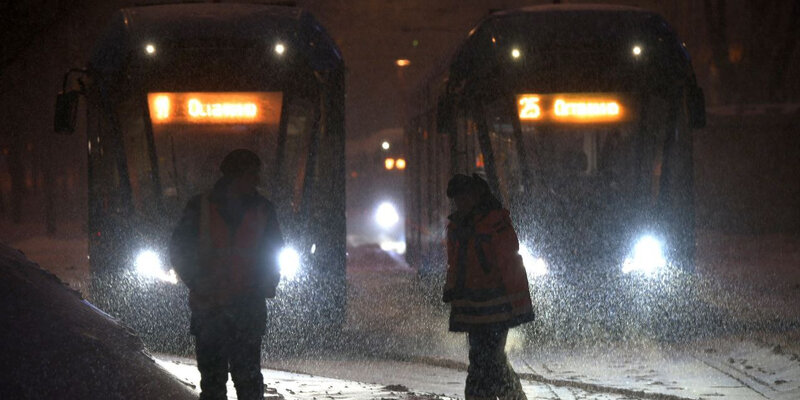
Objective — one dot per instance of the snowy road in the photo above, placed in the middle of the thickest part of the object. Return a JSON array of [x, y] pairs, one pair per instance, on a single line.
[[401, 342], [739, 369]]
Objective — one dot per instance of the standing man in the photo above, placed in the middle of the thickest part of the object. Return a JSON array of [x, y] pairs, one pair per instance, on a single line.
[[486, 286], [225, 249]]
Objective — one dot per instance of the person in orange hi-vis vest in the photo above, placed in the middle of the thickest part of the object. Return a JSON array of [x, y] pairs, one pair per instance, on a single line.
[[486, 286], [225, 249]]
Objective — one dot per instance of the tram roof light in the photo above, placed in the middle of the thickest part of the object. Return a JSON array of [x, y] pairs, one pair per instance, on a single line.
[[389, 163], [400, 164], [385, 145], [280, 48]]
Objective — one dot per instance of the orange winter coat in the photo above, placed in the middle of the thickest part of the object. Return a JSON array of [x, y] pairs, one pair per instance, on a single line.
[[486, 281]]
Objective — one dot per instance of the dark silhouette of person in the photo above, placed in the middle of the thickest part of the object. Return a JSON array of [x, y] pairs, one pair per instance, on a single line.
[[486, 286], [225, 249]]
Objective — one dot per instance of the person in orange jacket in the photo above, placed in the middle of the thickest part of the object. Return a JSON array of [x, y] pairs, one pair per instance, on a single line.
[[225, 249], [486, 286]]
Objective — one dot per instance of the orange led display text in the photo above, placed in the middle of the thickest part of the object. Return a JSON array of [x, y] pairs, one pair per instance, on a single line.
[[570, 108], [215, 107]]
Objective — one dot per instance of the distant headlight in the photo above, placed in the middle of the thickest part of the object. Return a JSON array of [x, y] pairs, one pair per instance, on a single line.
[[386, 215], [535, 266], [149, 264], [647, 256], [289, 262]]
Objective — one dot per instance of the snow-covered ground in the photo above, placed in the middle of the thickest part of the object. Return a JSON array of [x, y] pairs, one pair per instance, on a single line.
[[404, 344]]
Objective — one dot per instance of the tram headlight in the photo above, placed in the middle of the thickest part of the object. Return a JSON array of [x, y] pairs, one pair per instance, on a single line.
[[148, 263], [647, 256], [534, 266], [289, 263], [386, 215]]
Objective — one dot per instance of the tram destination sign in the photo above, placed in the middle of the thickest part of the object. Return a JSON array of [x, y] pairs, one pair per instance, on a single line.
[[572, 108], [215, 107]]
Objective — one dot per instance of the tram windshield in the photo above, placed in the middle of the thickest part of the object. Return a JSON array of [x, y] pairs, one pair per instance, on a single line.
[[586, 165], [193, 131]]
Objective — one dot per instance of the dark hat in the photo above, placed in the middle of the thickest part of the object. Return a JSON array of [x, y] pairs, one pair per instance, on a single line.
[[458, 184], [239, 161]]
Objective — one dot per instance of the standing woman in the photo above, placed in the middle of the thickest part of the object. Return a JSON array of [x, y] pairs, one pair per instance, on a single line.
[[486, 286]]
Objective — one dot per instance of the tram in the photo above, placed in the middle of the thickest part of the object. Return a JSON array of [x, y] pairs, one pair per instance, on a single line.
[[580, 118], [169, 91]]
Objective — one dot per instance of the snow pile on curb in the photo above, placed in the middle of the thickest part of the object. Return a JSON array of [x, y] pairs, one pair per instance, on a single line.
[[54, 344]]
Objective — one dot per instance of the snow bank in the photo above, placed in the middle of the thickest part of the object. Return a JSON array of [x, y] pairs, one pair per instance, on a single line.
[[56, 345]]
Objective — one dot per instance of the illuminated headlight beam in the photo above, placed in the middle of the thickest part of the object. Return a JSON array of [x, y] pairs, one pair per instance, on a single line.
[[535, 266], [289, 263], [647, 256], [386, 215], [149, 264]]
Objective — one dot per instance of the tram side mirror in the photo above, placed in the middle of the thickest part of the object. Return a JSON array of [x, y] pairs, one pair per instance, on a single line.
[[445, 118], [66, 112], [697, 107]]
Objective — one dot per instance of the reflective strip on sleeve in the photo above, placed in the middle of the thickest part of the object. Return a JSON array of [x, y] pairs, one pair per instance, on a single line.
[[490, 303]]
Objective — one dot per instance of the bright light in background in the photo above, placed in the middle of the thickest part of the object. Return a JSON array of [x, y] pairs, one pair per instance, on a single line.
[[403, 62], [637, 50], [400, 164], [386, 215], [385, 145], [389, 163], [150, 49], [148, 264], [289, 263], [516, 53], [398, 247], [647, 256], [280, 48], [535, 266]]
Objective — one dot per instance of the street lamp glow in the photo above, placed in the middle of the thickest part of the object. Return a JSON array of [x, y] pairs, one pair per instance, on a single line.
[[150, 49], [385, 145], [386, 215], [389, 163], [403, 62], [637, 50], [400, 164], [280, 48], [516, 53]]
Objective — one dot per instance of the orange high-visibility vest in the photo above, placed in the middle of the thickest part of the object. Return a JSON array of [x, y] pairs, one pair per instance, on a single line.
[[233, 260], [486, 284]]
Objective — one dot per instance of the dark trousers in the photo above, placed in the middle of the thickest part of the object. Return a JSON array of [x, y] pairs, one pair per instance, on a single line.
[[229, 340], [489, 374]]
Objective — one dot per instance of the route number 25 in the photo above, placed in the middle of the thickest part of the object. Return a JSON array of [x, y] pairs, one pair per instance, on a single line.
[[529, 108]]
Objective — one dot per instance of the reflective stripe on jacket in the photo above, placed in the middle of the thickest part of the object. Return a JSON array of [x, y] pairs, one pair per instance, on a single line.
[[486, 281]]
